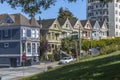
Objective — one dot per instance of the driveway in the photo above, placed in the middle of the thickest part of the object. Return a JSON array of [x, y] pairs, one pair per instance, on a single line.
[[13, 73]]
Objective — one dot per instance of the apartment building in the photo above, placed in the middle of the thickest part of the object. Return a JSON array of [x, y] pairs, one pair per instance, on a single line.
[[108, 12]]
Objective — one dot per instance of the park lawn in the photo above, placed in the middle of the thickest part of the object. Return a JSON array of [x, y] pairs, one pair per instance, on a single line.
[[105, 67]]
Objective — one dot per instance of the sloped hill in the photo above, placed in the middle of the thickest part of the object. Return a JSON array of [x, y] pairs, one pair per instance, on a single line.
[[106, 67]]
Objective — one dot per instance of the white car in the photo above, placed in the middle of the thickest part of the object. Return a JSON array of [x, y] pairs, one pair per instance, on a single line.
[[66, 60]]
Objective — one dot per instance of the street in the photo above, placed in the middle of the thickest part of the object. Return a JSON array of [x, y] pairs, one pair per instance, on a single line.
[[13, 73]]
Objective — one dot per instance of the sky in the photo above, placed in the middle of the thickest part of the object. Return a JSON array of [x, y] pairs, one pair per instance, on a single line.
[[78, 9]]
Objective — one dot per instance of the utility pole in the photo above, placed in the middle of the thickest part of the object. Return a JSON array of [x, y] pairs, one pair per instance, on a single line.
[[91, 42], [79, 43]]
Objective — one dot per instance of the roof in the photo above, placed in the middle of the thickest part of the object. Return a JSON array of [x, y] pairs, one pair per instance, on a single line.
[[46, 23], [73, 21], [101, 23], [83, 22], [61, 21], [92, 22], [33, 22], [18, 19]]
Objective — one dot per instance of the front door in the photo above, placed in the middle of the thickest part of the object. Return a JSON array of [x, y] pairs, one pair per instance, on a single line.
[[13, 62]]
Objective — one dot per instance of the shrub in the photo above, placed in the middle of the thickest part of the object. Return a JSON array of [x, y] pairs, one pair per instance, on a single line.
[[51, 57], [109, 49]]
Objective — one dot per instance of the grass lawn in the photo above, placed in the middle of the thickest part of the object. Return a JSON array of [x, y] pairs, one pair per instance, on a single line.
[[105, 67]]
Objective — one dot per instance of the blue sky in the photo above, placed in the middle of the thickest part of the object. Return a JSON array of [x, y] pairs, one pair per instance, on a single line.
[[78, 9]]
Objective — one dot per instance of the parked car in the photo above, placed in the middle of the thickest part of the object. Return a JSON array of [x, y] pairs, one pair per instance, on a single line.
[[66, 60]]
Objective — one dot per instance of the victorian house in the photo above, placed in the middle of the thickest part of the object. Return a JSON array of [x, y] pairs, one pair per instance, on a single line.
[[77, 26], [87, 29], [103, 30], [51, 32], [95, 30], [66, 27], [18, 36]]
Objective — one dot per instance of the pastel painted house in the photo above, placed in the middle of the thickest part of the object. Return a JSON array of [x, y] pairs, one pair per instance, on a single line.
[[95, 30], [66, 27], [103, 30], [51, 32], [18, 36], [87, 29]]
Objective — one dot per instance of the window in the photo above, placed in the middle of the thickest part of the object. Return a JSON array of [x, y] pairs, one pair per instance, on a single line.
[[6, 45], [28, 33], [67, 25], [116, 12], [96, 6], [55, 25], [49, 36], [24, 32], [116, 33], [33, 33], [6, 33], [116, 5], [23, 47], [37, 33], [28, 47], [52, 45], [33, 47]]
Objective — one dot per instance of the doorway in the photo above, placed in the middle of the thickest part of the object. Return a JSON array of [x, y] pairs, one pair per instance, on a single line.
[[13, 62]]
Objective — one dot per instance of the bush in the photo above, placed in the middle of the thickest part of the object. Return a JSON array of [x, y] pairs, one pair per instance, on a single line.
[[51, 57], [109, 49]]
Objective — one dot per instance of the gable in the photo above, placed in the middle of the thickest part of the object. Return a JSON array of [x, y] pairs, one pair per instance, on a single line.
[[67, 25], [8, 19], [96, 26], [77, 25], [55, 26], [88, 25], [104, 26]]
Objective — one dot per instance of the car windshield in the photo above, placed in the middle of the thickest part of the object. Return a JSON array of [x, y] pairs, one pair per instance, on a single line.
[[66, 58]]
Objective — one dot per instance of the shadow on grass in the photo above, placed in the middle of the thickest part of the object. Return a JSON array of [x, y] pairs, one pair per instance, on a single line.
[[107, 68]]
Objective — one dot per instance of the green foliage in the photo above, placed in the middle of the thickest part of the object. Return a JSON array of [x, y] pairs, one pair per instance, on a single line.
[[109, 49], [105, 67], [51, 57], [65, 13], [86, 45], [30, 6], [67, 44], [105, 45], [33, 7]]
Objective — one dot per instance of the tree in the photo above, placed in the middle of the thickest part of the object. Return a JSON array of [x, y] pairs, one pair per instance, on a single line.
[[65, 13], [44, 48], [33, 7], [67, 44]]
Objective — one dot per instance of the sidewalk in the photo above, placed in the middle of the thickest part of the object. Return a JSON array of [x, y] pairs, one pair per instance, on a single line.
[[15, 73]]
